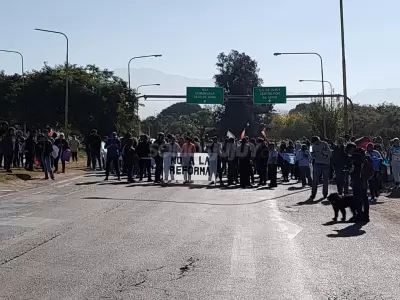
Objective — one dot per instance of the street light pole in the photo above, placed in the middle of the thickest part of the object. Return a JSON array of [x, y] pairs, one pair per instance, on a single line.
[[66, 74], [322, 79], [22, 61], [344, 75], [137, 92], [311, 80], [326, 81], [142, 85], [129, 66]]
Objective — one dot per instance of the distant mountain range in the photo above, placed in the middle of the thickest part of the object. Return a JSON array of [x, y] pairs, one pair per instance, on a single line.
[[176, 85]]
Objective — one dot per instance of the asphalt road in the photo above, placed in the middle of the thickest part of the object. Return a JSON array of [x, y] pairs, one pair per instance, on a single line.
[[89, 239]]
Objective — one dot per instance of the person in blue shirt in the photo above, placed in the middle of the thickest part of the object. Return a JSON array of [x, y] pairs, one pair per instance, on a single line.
[[113, 147], [374, 183], [303, 158]]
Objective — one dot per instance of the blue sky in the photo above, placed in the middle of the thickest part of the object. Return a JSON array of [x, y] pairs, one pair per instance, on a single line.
[[191, 33]]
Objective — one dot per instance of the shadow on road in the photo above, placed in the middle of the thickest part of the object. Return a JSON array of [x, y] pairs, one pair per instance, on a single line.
[[309, 202], [330, 223], [350, 231], [325, 202], [298, 188], [187, 202], [87, 183]]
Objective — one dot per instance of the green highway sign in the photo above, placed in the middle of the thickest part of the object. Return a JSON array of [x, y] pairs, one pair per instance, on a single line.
[[204, 95], [269, 95]]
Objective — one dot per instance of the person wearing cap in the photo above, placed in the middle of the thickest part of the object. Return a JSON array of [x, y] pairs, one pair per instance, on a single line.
[[113, 147], [321, 155]]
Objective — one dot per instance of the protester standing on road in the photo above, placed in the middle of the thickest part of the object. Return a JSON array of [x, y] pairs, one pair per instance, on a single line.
[[303, 158], [358, 163], [230, 154], [74, 147], [374, 182], [46, 149], [8, 144], [261, 161], [63, 146], [3, 132], [143, 152], [188, 151], [272, 165], [157, 154], [170, 155], [322, 158], [394, 159], [95, 147], [340, 163], [113, 147], [130, 157], [30, 149], [244, 155], [214, 154]]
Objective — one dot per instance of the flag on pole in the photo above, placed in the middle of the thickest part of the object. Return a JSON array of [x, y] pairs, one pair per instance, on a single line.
[[264, 134], [243, 134]]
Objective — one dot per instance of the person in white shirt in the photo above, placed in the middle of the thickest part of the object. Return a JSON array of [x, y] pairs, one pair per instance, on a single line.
[[74, 146]]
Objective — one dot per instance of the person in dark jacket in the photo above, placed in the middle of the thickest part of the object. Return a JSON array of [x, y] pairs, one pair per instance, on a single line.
[[262, 154], [130, 158], [62, 145], [244, 154], [124, 141], [143, 153], [340, 162], [197, 144], [30, 149], [113, 147], [357, 160], [8, 145], [157, 153], [46, 149], [3, 132], [94, 141]]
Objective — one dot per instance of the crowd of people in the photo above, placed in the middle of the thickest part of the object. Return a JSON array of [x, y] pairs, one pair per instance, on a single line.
[[360, 164], [43, 148]]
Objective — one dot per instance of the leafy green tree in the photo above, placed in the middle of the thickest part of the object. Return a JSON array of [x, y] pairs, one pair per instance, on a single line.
[[238, 75], [97, 99], [180, 109]]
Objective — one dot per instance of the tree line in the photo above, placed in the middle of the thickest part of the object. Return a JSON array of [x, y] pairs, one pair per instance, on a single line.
[[99, 99]]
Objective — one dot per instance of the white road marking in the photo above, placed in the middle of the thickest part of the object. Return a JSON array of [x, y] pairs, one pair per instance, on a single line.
[[31, 222], [64, 185], [242, 259], [289, 228]]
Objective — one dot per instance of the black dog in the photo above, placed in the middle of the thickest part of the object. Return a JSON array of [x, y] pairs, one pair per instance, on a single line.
[[341, 203]]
